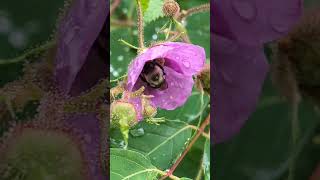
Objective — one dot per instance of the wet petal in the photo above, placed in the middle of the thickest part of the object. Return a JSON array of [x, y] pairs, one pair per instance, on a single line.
[[177, 93], [184, 58], [259, 21], [187, 59], [137, 64], [76, 34], [239, 72], [89, 128]]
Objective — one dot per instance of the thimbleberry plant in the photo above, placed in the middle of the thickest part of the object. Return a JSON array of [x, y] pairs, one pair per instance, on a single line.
[[160, 84]]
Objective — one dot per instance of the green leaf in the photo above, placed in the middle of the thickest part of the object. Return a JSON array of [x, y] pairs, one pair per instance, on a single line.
[[145, 5], [206, 160], [162, 143], [153, 10], [127, 164], [184, 178]]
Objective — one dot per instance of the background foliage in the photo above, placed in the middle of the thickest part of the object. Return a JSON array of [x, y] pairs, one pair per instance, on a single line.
[[263, 148]]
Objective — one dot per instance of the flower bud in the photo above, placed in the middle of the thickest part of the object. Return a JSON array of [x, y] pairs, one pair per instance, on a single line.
[[170, 8], [123, 113], [296, 69], [203, 79], [149, 110]]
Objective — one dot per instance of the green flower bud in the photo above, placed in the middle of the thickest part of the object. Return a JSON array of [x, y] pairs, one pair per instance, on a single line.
[[124, 116]]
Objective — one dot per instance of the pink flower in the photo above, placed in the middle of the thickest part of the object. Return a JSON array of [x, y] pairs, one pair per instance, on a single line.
[[176, 63]]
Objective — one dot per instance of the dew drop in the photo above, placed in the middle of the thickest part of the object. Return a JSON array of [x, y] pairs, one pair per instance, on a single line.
[[278, 25], [186, 63], [154, 37], [137, 132], [115, 73], [245, 9], [226, 78], [5, 25], [125, 10], [120, 58], [135, 32], [17, 39]]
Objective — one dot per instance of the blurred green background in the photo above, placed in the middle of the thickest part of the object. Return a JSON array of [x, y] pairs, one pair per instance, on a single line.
[[261, 151], [24, 25]]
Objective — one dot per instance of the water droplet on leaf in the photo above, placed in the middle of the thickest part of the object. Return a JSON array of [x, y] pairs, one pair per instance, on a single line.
[[137, 132]]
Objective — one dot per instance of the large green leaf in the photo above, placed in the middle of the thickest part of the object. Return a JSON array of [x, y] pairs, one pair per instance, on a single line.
[[130, 165], [163, 143]]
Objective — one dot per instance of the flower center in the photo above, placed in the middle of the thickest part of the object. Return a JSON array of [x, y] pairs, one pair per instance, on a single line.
[[153, 74]]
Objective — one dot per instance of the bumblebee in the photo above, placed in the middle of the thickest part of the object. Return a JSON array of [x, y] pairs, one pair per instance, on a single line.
[[153, 74]]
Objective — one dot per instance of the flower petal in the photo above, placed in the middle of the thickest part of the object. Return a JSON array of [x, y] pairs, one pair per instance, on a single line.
[[177, 93], [76, 34], [258, 21], [239, 72], [137, 64], [187, 59], [89, 128]]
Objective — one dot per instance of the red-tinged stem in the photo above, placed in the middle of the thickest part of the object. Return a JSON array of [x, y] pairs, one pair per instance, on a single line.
[[114, 6], [195, 138]]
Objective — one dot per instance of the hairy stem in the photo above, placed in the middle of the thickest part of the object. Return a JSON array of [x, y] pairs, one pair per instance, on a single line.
[[38, 50], [195, 138], [194, 10], [121, 23], [140, 25]]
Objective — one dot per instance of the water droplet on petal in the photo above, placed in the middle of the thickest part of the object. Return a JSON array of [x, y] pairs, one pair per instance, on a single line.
[[278, 24], [245, 9], [186, 63], [226, 77]]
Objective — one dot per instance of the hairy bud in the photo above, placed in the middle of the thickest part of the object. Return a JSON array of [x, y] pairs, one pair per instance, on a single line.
[[123, 113], [203, 79], [298, 59], [170, 8]]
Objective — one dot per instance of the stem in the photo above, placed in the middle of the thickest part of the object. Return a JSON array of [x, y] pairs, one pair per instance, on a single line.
[[295, 135], [182, 30], [197, 9], [175, 165], [140, 25], [164, 173], [121, 23], [128, 44], [204, 134], [23, 57], [114, 6]]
